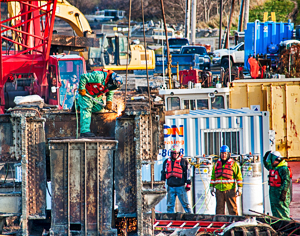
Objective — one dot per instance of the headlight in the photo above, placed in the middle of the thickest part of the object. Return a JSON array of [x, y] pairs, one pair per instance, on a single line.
[[206, 60], [217, 54]]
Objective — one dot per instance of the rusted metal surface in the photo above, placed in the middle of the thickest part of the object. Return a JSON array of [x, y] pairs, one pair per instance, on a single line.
[[282, 99], [82, 186], [151, 197], [74, 41], [26, 145], [6, 139], [65, 124], [138, 144], [125, 168]]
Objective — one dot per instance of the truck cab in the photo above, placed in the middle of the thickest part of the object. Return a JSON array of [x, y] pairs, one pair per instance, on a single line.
[[204, 59], [195, 98], [235, 53], [175, 44], [63, 79]]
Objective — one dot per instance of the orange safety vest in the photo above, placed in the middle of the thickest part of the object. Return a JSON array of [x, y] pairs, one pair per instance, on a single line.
[[227, 172], [98, 88], [274, 177], [177, 169]]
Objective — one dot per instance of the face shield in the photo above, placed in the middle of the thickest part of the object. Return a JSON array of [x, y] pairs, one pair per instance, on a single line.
[[115, 82]]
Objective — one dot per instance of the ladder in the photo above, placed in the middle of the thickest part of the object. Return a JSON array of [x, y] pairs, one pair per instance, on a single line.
[[204, 226]]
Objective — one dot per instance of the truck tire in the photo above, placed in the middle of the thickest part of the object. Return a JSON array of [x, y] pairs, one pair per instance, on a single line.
[[225, 62]]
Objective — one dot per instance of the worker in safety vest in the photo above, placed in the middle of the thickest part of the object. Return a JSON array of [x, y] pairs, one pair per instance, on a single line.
[[95, 85], [280, 176], [177, 173], [226, 172]]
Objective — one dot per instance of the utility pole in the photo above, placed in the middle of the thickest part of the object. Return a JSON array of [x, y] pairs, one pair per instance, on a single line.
[[187, 19], [246, 14], [241, 16], [229, 24], [220, 30], [193, 23], [167, 44]]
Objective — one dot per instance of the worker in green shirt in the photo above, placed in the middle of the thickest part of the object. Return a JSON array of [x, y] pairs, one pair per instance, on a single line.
[[92, 87], [226, 172]]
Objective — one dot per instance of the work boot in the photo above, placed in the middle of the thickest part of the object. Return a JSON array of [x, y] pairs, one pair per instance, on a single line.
[[87, 134]]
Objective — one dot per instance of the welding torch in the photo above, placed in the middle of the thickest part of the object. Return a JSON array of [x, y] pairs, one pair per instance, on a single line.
[[96, 101]]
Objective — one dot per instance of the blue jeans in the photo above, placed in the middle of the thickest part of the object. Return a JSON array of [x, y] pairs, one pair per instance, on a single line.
[[180, 192]]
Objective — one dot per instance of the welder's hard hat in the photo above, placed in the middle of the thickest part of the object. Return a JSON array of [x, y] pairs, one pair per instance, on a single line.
[[115, 81], [224, 148], [275, 156], [175, 149]]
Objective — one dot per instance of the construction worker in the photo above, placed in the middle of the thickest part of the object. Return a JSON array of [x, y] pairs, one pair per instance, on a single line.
[[177, 173], [226, 172], [95, 85], [279, 180]]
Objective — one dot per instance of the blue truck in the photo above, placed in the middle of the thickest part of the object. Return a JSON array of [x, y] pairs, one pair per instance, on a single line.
[[185, 61], [190, 56]]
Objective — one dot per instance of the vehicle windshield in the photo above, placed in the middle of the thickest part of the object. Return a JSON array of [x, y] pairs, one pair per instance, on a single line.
[[194, 50], [70, 72], [235, 47], [178, 42]]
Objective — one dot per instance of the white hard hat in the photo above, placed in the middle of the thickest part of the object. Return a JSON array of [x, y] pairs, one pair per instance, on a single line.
[[276, 153]]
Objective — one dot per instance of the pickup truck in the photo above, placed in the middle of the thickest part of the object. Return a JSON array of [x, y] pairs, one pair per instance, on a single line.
[[204, 59], [175, 44], [236, 54], [189, 56]]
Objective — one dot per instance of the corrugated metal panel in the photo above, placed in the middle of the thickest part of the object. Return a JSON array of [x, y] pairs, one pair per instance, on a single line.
[[188, 131], [82, 186], [282, 99]]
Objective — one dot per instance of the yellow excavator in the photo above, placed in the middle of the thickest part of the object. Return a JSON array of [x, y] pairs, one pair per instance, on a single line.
[[111, 53]]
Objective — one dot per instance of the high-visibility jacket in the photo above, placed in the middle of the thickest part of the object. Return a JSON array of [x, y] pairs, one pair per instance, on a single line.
[[275, 179], [224, 181], [176, 171]]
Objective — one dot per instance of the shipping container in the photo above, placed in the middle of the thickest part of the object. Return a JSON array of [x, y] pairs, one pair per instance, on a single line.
[[281, 98], [205, 131], [260, 35]]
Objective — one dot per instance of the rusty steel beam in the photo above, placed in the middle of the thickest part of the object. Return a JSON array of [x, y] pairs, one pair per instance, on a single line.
[[74, 41], [29, 144], [82, 186], [139, 143]]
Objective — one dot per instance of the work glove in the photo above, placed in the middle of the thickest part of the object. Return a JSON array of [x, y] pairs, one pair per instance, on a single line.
[[282, 196], [239, 192], [108, 105], [82, 92], [188, 187], [212, 191], [266, 155]]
